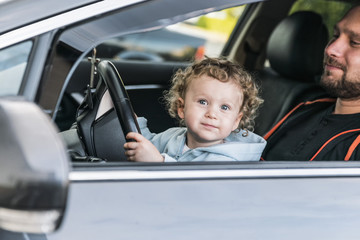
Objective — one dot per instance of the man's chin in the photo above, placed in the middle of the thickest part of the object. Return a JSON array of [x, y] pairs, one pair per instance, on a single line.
[[332, 75], [334, 89], [330, 84]]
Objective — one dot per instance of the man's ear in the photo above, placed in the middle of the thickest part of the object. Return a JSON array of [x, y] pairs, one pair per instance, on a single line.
[[180, 108], [237, 121]]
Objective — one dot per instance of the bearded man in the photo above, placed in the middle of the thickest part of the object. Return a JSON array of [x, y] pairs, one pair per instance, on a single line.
[[326, 129]]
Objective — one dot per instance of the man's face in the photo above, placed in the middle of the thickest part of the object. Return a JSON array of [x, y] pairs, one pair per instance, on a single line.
[[341, 77]]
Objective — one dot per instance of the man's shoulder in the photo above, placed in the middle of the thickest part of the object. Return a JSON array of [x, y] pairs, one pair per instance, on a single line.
[[311, 107], [320, 101]]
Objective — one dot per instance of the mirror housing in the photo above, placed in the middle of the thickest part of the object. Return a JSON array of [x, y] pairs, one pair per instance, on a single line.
[[34, 169]]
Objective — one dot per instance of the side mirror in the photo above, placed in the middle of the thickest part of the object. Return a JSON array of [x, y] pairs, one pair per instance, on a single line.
[[34, 168]]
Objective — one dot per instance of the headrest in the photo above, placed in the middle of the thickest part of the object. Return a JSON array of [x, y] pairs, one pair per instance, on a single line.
[[296, 46]]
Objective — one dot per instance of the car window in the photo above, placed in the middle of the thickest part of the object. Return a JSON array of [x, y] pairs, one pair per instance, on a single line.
[[331, 11], [13, 61], [181, 42]]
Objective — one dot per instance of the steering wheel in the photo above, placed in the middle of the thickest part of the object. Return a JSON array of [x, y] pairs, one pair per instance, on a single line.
[[103, 135], [119, 97]]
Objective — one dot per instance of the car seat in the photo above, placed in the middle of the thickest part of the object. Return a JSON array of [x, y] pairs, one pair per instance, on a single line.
[[295, 52]]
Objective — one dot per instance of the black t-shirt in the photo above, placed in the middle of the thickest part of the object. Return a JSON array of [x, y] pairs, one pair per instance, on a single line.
[[302, 135]]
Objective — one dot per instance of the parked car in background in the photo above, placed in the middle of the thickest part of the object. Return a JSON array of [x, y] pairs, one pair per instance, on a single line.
[[158, 45], [61, 182], [180, 42]]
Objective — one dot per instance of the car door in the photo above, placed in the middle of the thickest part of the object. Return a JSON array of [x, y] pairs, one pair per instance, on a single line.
[[228, 201], [261, 200], [250, 200]]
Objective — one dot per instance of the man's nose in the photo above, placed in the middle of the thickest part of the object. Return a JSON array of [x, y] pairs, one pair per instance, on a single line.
[[336, 47]]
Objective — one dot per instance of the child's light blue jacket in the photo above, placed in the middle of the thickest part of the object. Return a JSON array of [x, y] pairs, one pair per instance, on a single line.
[[236, 147]]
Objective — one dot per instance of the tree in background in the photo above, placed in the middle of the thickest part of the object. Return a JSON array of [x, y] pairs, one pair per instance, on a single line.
[[222, 21]]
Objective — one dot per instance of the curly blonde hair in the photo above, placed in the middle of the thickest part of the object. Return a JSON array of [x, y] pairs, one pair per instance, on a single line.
[[223, 70]]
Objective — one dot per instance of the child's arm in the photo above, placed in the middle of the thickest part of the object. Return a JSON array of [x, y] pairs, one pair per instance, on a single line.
[[141, 150]]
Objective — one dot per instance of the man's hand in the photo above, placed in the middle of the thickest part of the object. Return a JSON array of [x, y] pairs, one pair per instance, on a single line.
[[142, 150]]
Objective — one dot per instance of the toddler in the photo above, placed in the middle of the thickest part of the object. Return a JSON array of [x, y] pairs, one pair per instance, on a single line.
[[215, 101]]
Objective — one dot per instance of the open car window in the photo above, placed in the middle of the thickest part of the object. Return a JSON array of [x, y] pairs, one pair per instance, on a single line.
[[146, 60]]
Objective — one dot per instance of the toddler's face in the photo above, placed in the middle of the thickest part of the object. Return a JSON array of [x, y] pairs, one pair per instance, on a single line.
[[211, 110]]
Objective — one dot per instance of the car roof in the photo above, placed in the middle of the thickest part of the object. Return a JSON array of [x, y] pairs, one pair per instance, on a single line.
[[30, 11], [54, 14]]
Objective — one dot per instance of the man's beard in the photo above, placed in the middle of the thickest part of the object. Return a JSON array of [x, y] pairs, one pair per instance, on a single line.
[[345, 87]]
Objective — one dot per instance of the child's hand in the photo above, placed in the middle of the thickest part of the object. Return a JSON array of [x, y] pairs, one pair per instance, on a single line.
[[142, 150]]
